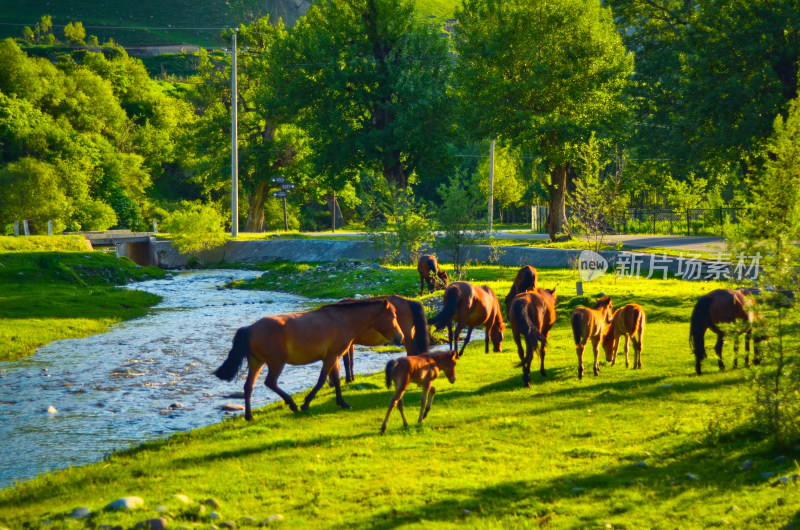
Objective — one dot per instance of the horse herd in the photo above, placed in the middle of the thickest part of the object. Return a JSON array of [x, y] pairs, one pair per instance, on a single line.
[[330, 332]]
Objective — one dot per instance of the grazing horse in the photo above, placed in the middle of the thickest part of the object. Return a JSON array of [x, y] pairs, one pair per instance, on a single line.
[[470, 306], [422, 370], [722, 306], [525, 281], [589, 324], [302, 338], [628, 321], [532, 315], [412, 321], [431, 274]]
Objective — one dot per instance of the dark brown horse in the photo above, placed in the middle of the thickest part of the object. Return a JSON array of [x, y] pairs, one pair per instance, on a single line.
[[589, 324], [526, 280], [422, 370], [628, 321], [470, 306], [722, 306], [532, 315], [412, 321], [431, 274], [302, 338]]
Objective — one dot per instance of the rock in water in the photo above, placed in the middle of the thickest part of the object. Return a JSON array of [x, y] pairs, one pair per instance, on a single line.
[[125, 503], [230, 407], [51, 409]]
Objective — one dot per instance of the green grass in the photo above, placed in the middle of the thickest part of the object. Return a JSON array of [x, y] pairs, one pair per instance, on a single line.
[[54, 288], [491, 454]]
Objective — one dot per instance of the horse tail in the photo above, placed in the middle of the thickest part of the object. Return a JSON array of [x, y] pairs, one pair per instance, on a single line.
[[389, 369], [240, 350], [698, 325], [445, 316], [519, 314], [422, 340], [577, 327]]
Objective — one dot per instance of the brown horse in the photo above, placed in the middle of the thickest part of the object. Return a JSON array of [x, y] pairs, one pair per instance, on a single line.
[[525, 281], [589, 324], [422, 370], [532, 315], [431, 274], [470, 306], [412, 321], [722, 306], [628, 321], [302, 338]]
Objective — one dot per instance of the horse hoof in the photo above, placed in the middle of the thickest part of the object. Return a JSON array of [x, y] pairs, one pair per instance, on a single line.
[[248, 417], [304, 407], [345, 405]]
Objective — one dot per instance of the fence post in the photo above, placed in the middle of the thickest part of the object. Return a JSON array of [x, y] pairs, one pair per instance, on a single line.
[[25, 227], [50, 227], [688, 223], [155, 226], [16, 228], [721, 222]]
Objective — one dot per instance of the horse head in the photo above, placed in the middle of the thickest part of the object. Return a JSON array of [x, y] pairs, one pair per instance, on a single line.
[[606, 310], [447, 365], [443, 278], [386, 324]]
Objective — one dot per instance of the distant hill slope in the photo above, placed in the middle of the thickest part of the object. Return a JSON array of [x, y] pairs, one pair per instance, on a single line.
[[165, 21]]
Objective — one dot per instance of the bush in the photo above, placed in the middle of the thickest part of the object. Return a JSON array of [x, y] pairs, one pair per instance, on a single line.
[[195, 228]]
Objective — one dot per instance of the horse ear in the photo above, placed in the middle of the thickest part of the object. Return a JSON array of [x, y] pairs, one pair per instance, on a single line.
[[454, 355]]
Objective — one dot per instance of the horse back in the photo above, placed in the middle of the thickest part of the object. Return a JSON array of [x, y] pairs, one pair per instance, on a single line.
[[628, 320], [586, 323]]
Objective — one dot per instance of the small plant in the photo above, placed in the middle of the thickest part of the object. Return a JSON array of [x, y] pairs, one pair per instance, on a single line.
[[195, 228], [457, 219]]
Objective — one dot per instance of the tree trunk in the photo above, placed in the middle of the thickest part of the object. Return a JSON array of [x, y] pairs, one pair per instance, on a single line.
[[255, 213], [394, 171], [557, 216]]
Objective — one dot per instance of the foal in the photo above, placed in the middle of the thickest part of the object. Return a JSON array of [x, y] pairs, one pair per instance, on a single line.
[[628, 321], [589, 324], [431, 274], [422, 370]]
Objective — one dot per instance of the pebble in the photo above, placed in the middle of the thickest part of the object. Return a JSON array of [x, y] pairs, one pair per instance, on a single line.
[[273, 519], [230, 407], [80, 513], [214, 503], [161, 509], [227, 524], [153, 524], [665, 386], [577, 490], [182, 498], [733, 508], [781, 459], [51, 409], [747, 465], [796, 477], [645, 453], [360, 387], [176, 406], [768, 474], [247, 520], [692, 476], [784, 480], [125, 503], [641, 464], [214, 516]]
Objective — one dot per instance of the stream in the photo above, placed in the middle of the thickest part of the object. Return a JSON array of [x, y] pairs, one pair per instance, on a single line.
[[115, 389]]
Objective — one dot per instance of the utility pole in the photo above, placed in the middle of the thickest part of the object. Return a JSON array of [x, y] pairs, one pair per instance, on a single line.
[[234, 145], [491, 187]]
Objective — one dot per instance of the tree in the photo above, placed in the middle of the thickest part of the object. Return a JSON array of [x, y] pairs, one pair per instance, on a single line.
[[543, 75], [507, 189], [370, 84], [772, 229], [195, 228], [457, 216], [32, 190], [75, 33]]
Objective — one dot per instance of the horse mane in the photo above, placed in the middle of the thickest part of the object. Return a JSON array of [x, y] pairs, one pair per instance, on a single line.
[[422, 340]]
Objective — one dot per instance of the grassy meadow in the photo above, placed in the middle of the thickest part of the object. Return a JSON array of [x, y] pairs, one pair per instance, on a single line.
[[54, 288], [651, 448]]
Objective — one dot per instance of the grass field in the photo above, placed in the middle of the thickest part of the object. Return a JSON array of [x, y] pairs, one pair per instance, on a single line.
[[652, 448], [54, 288]]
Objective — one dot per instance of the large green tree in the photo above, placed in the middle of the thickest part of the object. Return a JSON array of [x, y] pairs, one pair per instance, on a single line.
[[544, 76], [710, 78], [370, 84]]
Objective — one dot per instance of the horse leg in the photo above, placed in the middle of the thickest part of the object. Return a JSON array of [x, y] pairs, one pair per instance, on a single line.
[[431, 395], [596, 348], [637, 352], [614, 349], [349, 376], [402, 413], [736, 351], [397, 401], [627, 337], [518, 342], [334, 375], [272, 384], [254, 368], [426, 386], [466, 341], [327, 363], [450, 335], [718, 349], [541, 358], [421, 286], [579, 349]]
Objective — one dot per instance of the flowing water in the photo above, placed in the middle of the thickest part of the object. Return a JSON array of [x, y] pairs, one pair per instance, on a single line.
[[116, 389]]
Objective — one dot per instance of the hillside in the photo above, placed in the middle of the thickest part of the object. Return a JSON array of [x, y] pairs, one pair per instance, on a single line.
[[154, 22]]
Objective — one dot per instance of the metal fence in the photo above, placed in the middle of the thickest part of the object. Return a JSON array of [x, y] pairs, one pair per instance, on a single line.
[[691, 222]]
